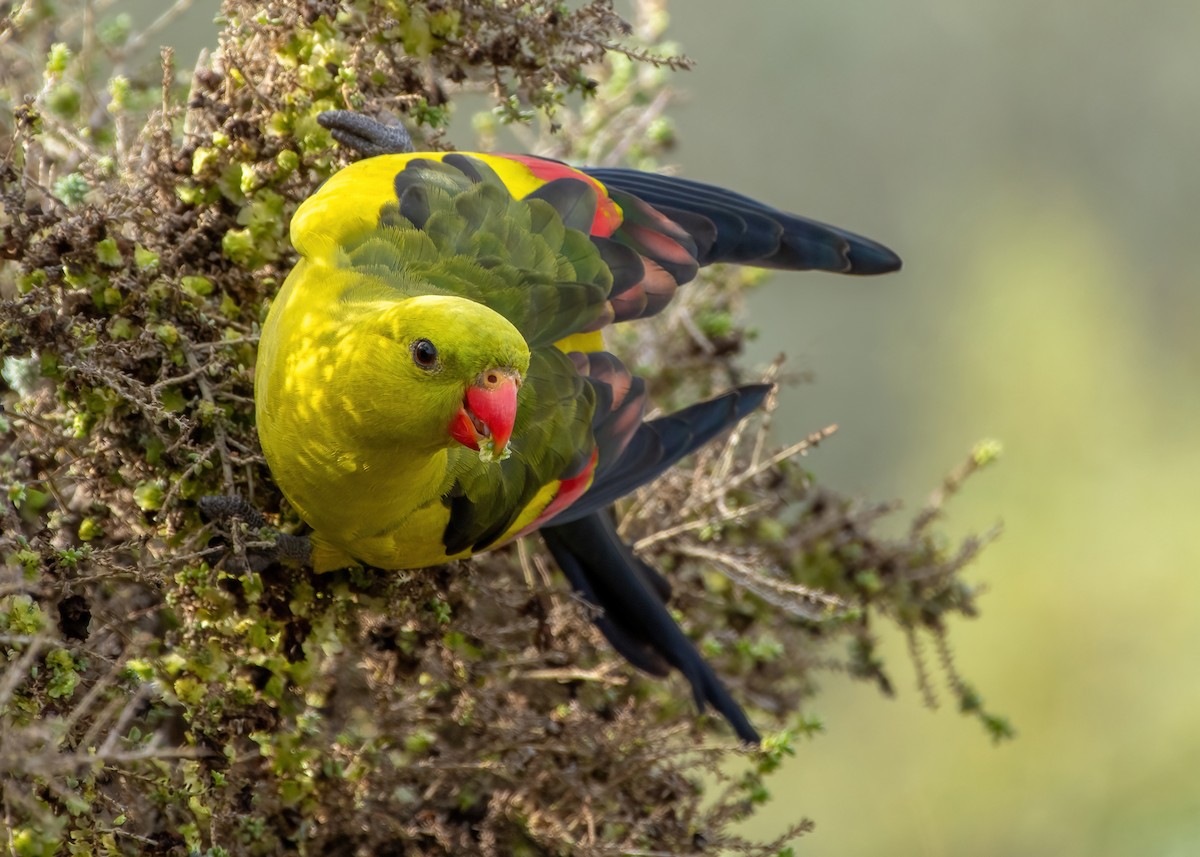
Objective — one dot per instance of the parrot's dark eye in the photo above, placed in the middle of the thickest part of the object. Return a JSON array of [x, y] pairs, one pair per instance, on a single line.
[[424, 353]]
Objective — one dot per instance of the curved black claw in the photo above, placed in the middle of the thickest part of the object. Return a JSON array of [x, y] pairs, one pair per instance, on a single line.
[[288, 549], [369, 137]]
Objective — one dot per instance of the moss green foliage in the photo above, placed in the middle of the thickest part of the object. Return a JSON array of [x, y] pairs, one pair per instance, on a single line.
[[163, 691]]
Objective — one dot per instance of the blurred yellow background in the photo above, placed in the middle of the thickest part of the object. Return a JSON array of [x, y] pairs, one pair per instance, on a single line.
[[1036, 165]]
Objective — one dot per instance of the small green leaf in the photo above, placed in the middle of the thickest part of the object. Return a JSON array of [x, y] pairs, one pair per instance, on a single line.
[[118, 90], [195, 285], [146, 260], [149, 496], [71, 189], [986, 452], [57, 59]]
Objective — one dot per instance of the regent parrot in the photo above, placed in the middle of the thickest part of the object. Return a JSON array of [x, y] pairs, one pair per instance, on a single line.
[[431, 380]]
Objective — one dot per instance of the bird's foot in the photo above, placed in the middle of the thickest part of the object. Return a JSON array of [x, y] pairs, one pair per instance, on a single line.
[[369, 137], [281, 548]]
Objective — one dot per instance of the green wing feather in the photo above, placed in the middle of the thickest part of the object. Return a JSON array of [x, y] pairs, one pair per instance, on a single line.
[[476, 241]]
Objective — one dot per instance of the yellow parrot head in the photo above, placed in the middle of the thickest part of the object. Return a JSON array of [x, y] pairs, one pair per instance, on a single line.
[[456, 369]]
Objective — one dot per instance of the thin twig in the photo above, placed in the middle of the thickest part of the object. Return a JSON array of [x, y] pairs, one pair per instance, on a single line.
[[218, 426]]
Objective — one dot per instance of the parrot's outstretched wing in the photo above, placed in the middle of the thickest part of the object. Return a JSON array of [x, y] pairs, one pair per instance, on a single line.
[[730, 227], [654, 446], [634, 617], [604, 570]]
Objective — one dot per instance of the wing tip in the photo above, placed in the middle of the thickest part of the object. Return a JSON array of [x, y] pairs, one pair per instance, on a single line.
[[751, 397], [870, 258]]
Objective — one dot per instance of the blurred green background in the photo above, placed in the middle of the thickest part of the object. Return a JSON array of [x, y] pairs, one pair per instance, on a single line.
[[1035, 164]]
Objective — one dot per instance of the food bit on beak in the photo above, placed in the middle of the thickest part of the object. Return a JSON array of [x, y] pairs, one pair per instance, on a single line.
[[485, 421]]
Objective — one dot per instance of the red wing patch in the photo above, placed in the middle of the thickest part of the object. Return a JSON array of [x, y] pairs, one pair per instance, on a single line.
[[569, 490], [608, 215]]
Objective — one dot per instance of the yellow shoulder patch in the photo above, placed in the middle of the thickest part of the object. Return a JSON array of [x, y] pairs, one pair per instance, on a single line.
[[585, 342]]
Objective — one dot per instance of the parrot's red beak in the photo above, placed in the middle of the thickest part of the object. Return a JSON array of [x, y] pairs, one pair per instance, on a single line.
[[489, 411]]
